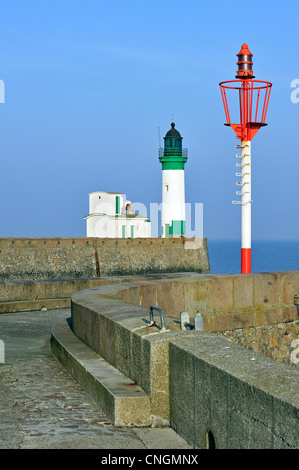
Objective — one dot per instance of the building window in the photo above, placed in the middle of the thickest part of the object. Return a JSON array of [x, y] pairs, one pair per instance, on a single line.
[[117, 205]]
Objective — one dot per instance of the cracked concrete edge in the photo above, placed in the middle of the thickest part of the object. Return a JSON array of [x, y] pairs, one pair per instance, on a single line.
[[161, 438]]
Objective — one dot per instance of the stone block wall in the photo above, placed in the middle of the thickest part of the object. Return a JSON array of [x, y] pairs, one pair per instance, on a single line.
[[278, 341], [236, 301], [61, 258], [226, 302]]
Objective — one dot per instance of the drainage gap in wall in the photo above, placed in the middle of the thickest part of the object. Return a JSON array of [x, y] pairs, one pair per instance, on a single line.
[[210, 440]]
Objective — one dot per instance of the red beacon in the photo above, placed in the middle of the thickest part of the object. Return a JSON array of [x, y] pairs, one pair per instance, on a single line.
[[244, 63], [253, 99]]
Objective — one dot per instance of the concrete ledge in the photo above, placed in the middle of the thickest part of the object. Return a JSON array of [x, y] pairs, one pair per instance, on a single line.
[[224, 394], [34, 305], [20, 296], [212, 391], [125, 403], [119, 333], [227, 302]]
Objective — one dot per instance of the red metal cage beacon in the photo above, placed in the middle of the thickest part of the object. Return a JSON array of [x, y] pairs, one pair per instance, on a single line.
[[250, 113]]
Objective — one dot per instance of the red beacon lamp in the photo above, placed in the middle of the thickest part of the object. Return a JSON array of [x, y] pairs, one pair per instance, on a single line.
[[253, 103]]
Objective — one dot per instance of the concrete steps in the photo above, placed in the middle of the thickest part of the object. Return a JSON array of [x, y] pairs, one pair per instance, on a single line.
[[124, 402]]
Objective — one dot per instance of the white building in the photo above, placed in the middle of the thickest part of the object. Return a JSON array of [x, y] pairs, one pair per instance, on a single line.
[[112, 216]]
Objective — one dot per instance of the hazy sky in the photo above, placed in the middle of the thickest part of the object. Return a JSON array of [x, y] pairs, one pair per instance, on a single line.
[[88, 84]]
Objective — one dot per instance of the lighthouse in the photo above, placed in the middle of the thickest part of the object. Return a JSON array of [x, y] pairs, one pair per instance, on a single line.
[[173, 158]]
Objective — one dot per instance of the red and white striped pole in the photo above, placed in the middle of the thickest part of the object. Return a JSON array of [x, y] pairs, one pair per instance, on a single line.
[[246, 207], [245, 112], [252, 118]]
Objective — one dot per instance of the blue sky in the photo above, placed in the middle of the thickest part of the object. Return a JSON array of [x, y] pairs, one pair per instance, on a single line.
[[88, 84]]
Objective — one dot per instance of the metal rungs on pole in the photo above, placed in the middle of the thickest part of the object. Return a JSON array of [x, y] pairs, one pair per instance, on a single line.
[[244, 174], [242, 146], [239, 165], [242, 203]]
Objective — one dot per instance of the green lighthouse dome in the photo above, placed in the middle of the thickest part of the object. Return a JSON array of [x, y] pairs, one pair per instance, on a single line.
[[173, 133], [173, 139], [173, 156]]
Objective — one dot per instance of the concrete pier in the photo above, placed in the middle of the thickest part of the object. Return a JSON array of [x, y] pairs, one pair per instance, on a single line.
[[208, 389]]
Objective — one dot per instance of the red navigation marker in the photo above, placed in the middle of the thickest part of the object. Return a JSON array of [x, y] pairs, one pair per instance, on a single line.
[[253, 96]]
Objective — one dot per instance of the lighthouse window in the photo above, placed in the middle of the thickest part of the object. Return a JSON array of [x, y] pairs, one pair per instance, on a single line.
[[178, 143]]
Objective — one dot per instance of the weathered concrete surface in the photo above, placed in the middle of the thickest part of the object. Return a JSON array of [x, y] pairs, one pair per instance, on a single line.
[[227, 302], [154, 375], [24, 296], [197, 378], [124, 401], [278, 341], [118, 332], [18, 296], [245, 400], [43, 407], [62, 258]]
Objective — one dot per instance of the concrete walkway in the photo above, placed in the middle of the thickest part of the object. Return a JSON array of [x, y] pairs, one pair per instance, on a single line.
[[43, 407]]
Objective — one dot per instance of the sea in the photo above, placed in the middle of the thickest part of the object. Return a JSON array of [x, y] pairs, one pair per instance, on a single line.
[[266, 256]]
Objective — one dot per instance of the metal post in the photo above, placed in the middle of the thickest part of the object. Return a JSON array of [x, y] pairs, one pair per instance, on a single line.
[[246, 208]]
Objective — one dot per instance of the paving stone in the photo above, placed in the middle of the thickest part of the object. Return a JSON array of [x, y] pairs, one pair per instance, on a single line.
[[41, 405]]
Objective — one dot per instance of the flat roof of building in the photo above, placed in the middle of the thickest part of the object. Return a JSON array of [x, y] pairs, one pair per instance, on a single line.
[[106, 192]]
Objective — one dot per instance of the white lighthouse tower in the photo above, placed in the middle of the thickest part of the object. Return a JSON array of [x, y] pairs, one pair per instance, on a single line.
[[173, 158]]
